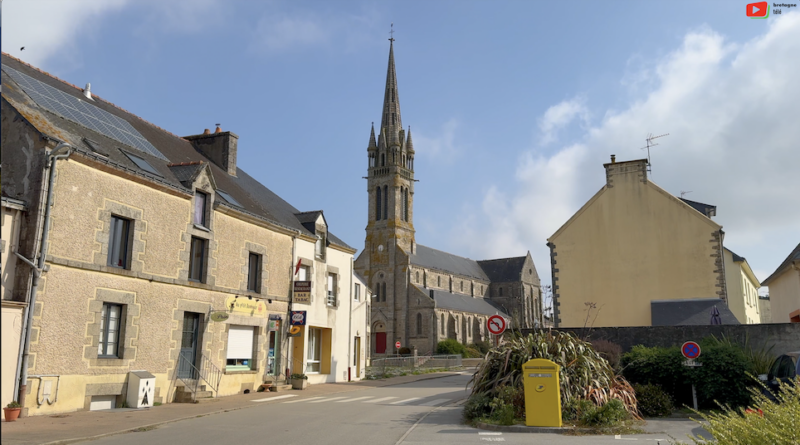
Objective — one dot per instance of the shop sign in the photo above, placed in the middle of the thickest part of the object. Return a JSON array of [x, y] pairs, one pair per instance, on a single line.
[[295, 331], [246, 306], [302, 292], [274, 325], [298, 318], [219, 316]]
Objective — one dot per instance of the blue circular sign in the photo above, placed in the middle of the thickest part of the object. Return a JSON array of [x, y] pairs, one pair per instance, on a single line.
[[690, 350]]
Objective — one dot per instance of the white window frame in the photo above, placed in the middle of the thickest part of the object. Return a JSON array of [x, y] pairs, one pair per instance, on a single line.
[[331, 288], [314, 352], [357, 292], [109, 326], [240, 343]]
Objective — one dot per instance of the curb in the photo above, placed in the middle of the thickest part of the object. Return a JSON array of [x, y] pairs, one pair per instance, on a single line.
[[531, 429]]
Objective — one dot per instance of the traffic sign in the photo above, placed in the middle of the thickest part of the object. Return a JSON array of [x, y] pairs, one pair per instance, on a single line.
[[690, 350], [496, 324], [397, 344]]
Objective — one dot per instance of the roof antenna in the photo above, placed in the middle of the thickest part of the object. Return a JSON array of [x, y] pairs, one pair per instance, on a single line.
[[684, 193], [650, 143]]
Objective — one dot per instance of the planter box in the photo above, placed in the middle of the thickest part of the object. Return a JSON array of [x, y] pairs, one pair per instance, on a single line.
[[299, 383], [11, 414]]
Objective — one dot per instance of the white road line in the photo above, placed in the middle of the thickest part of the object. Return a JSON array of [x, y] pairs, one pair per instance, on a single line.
[[379, 400], [403, 402], [434, 402], [490, 434], [619, 437], [275, 398], [353, 400], [328, 400], [305, 400]]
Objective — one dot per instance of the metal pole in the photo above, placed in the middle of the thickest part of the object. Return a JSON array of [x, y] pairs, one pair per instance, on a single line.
[[694, 397]]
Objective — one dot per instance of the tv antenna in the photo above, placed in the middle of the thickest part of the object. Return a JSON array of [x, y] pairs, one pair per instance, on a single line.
[[685, 192], [650, 143]]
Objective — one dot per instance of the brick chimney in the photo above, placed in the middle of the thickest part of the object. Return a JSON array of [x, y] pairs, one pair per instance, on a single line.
[[219, 147], [625, 171]]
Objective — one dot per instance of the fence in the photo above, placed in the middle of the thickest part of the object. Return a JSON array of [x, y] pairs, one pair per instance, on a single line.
[[392, 366]]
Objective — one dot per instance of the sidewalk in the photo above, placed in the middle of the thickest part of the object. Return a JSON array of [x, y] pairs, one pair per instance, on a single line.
[[86, 425]]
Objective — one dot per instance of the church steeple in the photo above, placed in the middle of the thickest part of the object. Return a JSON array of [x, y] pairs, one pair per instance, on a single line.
[[391, 121]]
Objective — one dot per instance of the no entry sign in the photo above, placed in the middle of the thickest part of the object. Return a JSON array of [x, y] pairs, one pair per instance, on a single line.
[[496, 324], [690, 350], [397, 345]]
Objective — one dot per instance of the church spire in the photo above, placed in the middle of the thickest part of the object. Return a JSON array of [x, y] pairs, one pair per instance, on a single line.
[[391, 100], [372, 145]]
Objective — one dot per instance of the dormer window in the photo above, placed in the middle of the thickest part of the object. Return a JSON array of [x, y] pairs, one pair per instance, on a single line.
[[319, 248], [201, 208]]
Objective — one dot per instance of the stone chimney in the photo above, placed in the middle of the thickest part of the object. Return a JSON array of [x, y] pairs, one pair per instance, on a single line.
[[219, 147], [625, 171]]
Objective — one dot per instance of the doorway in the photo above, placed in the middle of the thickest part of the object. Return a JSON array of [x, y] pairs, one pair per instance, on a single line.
[[357, 355], [274, 354], [380, 343], [188, 354]]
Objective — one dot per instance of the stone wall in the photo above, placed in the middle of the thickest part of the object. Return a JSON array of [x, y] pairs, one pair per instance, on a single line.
[[785, 336]]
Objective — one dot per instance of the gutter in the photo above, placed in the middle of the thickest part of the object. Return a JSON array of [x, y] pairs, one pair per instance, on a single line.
[[22, 373]]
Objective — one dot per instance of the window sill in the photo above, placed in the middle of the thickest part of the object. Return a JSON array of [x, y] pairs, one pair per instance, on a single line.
[[203, 228], [240, 371]]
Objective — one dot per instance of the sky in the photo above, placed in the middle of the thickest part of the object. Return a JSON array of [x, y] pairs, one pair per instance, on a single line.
[[514, 105]]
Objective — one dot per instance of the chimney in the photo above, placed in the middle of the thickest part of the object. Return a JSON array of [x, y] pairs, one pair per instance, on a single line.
[[206, 131], [219, 147], [88, 91], [617, 172], [613, 158]]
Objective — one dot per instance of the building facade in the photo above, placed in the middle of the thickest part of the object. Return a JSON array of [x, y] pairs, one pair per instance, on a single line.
[[424, 295], [742, 289], [148, 251], [784, 289], [11, 216]]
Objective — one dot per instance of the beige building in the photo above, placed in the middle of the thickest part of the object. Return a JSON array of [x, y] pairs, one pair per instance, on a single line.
[[158, 253], [634, 247], [11, 216], [742, 289], [784, 289]]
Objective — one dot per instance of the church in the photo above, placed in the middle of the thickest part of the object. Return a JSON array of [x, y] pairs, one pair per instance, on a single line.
[[423, 295]]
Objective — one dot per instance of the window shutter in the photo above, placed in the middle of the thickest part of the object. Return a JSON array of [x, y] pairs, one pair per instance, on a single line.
[[240, 342]]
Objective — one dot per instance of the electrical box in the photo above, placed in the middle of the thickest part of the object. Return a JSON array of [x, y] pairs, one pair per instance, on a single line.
[[542, 393], [141, 389]]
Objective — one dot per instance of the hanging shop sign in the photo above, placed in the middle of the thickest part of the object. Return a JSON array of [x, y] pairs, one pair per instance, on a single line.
[[219, 316], [246, 306], [295, 331], [298, 318], [274, 325], [302, 292]]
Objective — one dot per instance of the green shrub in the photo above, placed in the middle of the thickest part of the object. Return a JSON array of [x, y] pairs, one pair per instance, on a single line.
[[477, 406], [766, 422], [483, 347], [404, 351], [470, 352], [576, 408], [506, 405], [611, 413], [450, 346], [653, 401]]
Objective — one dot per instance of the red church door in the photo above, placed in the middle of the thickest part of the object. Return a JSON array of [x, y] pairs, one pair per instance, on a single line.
[[380, 342]]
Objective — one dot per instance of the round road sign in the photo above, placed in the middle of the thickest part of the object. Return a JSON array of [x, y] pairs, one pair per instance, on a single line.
[[496, 324], [397, 344], [690, 350]]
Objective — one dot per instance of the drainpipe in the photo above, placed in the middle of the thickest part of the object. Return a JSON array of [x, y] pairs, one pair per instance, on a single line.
[[350, 323], [23, 370], [289, 313]]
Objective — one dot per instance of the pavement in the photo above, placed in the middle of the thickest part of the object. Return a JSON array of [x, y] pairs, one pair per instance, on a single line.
[[90, 425]]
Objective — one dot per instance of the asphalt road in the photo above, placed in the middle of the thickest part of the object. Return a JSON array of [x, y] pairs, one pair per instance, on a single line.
[[424, 412]]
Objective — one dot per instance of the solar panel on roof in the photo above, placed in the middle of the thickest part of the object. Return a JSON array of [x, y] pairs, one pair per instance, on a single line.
[[83, 113], [228, 198]]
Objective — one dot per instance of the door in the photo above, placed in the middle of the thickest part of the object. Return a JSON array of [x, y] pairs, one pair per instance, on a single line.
[[357, 356], [380, 342], [191, 324], [271, 368]]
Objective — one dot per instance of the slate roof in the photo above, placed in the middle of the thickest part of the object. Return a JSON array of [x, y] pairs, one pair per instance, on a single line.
[[256, 199], [463, 303], [503, 269], [436, 259], [736, 258], [689, 312], [793, 256], [186, 172], [706, 209]]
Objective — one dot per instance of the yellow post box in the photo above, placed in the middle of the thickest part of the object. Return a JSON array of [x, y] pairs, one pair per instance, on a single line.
[[542, 393]]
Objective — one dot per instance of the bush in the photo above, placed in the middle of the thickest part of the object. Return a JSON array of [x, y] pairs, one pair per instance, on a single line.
[[450, 346], [477, 406], [576, 408], [612, 413], [404, 351], [470, 352], [653, 401], [483, 347], [612, 352], [508, 405]]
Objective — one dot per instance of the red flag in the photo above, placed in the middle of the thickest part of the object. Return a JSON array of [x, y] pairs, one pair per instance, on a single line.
[[297, 268]]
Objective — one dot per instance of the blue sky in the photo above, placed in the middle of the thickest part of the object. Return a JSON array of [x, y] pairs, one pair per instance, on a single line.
[[514, 105]]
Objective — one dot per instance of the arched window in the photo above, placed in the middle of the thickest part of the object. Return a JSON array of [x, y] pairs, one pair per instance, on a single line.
[[383, 292], [438, 281], [378, 292], [462, 285], [378, 204], [404, 160], [405, 204], [417, 276], [402, 204], [383, 159], [500, 291], [442, 324], [386, 201], [419, 323]]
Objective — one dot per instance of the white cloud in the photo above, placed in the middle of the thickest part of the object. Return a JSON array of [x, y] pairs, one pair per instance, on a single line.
[[48, 27], [441, 146], [731, 111], [559, 116]]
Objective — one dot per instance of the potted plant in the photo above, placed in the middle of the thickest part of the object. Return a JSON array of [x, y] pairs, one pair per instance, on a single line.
[[299, 381], [12, 411]]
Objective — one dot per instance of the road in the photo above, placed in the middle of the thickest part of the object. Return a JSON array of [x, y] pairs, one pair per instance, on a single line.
[[423, 412]]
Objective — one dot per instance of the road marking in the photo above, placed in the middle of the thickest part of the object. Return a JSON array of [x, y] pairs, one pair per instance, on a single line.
[[403, 402], [490, 434], [305, 400], [328, 400], [275, 398], [493, 439], [434, 402], [415, 425], [353, 400], [619, 437], [380, 400]]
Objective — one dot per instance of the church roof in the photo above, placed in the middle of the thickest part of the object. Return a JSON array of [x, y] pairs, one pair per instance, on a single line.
[[503, 269], [463, 303], [436, 259]]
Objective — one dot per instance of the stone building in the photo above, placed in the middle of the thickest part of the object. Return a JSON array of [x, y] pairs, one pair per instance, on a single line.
[[144, 251], [423, 295]]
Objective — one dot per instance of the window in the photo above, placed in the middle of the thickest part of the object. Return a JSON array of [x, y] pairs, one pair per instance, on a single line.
[[417, 276], [200, 204], [240, 348], [109, 331], [439, 281], [304, 274], [378, 204], [419, 324], [386, 202], [254, 273], [501, 291], [405, 205], [228, 198], [357, 292], [319, 247], [442, 324], [119, 242], [197, 260], [383, 292], [332, 289], [462, 285], [141, 163], [314, 355], [383, 159]]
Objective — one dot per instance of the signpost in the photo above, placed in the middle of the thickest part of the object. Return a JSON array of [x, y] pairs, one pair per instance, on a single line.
[[496, 325], [691, 350]]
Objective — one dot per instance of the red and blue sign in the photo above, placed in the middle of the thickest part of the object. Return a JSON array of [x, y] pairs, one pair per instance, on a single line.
[[298, 318], [690, 350]]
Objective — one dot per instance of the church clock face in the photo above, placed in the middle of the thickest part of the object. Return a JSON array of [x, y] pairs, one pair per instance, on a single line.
[[380, 248]]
